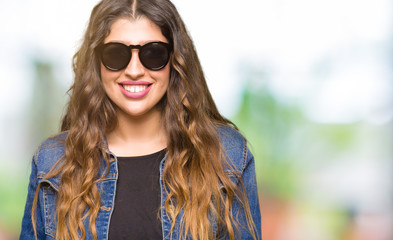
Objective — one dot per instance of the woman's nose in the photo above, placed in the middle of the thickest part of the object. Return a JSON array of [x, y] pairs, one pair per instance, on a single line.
[[135, 69]]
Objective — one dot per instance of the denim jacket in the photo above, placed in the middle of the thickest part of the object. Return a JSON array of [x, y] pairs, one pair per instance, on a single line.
[[53, 149]]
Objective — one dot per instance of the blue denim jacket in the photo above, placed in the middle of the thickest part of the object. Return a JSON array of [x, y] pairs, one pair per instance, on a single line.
[[53, 149]]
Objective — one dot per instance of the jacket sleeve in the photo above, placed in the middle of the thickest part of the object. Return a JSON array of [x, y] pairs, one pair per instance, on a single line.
[[248, 178], [27, 231]]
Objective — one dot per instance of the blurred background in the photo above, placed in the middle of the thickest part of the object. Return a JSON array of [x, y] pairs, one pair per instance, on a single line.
[[308, 82]]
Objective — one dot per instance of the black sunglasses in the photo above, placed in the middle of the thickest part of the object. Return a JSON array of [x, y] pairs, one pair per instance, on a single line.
[[116, 56]]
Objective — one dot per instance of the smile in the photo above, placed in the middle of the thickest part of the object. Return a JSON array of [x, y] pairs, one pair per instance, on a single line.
[[135, 91], [135, 88]]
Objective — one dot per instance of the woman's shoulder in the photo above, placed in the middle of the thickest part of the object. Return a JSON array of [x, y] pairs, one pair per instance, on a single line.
[[230, 137], [49, 152], [235, 146]]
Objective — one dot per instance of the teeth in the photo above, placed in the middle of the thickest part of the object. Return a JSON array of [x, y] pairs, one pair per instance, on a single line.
[[135, 88]]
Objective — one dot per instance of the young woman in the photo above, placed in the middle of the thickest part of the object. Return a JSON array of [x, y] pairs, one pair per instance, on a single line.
[[143, 152]]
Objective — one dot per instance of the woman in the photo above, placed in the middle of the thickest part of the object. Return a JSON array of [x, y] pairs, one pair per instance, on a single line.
[[144, 152]]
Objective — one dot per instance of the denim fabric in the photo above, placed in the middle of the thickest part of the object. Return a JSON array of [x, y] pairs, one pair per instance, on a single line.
[[53, 149]]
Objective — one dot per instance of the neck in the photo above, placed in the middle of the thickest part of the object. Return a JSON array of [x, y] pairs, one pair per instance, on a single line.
[[136, 136]]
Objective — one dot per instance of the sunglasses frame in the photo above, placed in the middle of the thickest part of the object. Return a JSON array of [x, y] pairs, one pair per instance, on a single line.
[[101, 48]]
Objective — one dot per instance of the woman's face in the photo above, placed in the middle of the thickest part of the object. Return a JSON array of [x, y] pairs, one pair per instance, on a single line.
[[135, 90]]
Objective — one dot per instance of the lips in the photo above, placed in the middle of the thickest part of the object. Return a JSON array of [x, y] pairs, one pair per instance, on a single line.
[[135, 90]]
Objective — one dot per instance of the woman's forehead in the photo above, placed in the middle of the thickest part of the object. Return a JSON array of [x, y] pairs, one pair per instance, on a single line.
[[134, 31]]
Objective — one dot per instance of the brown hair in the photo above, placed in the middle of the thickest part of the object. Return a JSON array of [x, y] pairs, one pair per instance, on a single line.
[[194, 167]]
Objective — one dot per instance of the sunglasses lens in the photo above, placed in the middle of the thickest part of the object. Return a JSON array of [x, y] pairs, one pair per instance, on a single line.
[[115, 56], [155, 55]]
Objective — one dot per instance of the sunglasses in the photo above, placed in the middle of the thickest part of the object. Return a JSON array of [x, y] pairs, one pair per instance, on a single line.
[[116, 56]]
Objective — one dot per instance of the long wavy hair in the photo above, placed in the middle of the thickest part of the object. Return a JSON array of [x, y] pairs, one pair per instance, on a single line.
[[195, 162]]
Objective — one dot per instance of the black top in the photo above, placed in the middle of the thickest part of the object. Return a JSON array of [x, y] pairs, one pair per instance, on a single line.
[[136, 214]]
